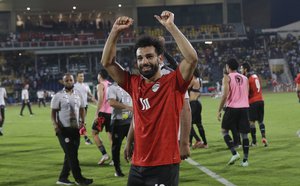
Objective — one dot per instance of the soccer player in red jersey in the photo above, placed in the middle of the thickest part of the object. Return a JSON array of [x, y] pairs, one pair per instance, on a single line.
[[157, 102], [256, 101], [297, 81]]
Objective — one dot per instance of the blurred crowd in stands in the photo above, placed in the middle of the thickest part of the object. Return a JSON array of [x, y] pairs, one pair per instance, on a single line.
[[19, 68], [87, 26]]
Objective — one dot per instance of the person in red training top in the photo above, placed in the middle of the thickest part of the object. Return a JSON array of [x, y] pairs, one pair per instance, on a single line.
[[297, 81], [256, 101], [157, 102]]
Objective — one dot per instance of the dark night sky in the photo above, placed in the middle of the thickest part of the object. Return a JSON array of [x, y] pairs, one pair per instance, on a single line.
[[284, 12]]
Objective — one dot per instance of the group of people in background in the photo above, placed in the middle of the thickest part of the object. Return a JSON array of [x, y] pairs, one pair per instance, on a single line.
[[243, 105], [69, 109]]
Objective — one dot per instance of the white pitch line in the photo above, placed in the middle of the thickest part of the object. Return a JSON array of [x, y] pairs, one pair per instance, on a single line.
[[209, 172]]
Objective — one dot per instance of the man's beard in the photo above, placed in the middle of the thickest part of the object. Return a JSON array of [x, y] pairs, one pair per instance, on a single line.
[[69, 87], [149, 73]]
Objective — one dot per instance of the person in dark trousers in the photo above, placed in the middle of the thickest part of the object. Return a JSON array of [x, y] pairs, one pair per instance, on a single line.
[[3, 96], [25, 100], [41, 95], [102, 116], [297, 81], [235, 97], [68, 115], [196, 107], [257, 104], [121, 116], [86, 93]]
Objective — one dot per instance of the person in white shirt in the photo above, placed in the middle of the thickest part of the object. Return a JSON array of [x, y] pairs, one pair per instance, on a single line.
[[68, 116], [25, 100], [3, 96], [41, 97], [85, 92]]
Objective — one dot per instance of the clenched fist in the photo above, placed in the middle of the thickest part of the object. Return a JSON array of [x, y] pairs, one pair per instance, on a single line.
[[122, 23]]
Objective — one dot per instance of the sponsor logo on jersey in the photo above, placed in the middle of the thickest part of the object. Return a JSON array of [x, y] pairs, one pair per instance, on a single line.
[[155, 87]]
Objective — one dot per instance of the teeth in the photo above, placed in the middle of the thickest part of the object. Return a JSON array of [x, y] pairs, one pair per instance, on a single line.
[[146, 68]]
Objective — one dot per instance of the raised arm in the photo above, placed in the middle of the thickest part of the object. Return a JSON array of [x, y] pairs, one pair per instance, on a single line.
[[189, 63], [109, 52]]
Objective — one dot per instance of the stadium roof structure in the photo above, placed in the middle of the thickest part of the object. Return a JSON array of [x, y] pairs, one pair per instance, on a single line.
[[293, 28]]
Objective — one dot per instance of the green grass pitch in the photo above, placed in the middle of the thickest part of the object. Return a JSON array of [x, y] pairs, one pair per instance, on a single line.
[[30, 154]]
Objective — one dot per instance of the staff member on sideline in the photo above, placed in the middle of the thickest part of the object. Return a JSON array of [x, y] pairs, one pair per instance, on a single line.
[[3, 96], [25, 100], [41, 97], [67, 107], [121, 116]]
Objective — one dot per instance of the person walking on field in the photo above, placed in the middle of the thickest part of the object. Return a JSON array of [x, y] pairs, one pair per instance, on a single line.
[[297, 81], [85, 92], [235, 97], [257, 105], [3, 96], [41, 97], [121, 104], [68, 115], [196, 107], [25, 100], [102, 116]]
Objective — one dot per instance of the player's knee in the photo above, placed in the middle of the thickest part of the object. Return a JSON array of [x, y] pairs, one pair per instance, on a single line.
[[244, 136], [224, 132], [95, 133]]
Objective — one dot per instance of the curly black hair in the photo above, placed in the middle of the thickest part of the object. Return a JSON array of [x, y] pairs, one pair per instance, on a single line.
[[146, 41]]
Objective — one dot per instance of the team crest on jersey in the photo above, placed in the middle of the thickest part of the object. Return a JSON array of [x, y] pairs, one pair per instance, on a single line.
[[67, 140], [155, 87]]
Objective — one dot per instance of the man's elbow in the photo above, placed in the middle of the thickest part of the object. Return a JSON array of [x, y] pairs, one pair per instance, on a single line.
[[104, 63], [194, 58], [107, 61]]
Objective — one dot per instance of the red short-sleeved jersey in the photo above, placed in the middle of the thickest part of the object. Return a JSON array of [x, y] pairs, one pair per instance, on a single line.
[[156, 107], [255, 89], [297, 79]]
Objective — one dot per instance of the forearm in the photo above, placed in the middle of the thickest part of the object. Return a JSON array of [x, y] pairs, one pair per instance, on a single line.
[[185, 123], [130, 134], [82, 115], [53, 119], [91, 97], [184, 45], [222, 103], [110, 48], [117, 105]]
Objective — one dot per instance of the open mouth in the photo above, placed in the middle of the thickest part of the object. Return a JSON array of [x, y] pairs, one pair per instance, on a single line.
[[146, 68]]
